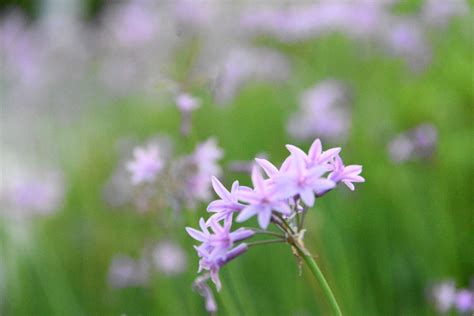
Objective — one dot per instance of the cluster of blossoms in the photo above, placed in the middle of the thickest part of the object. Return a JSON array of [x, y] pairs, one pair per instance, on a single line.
[[26, 192], [166, 257], [324, 110], [446, 297], [401, 36], [415, 144], [153, 179], [282, 198]]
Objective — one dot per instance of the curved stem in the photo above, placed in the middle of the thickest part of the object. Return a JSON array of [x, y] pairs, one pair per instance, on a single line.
[[308, 259]]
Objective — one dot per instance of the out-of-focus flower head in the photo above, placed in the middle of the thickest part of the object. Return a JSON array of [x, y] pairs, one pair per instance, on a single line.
[[440, 12], [26, 192], [146, 164], [406, 38], [205, 160], [417, 143], [187, 103], [324, 112], [444, 295], [133, 22], [169, 258], [193, 13], [464, 301], [244, 64], [127, 272]]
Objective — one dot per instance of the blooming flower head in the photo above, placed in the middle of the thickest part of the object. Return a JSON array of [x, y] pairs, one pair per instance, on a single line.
[[262, 201], [146, 164], [301, 180], [275, 199], [346, 174]]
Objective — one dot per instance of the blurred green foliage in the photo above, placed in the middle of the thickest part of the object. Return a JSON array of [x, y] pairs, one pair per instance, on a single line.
[[380, 247]]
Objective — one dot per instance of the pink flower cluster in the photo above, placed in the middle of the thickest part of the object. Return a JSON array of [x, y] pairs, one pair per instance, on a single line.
[[278, 197]]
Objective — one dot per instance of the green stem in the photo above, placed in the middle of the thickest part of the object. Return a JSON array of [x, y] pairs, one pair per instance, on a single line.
[[308, 259], [266, 241]]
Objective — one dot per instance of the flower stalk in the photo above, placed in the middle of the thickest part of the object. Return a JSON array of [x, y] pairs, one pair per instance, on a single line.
[[282, 199], [317, 273]]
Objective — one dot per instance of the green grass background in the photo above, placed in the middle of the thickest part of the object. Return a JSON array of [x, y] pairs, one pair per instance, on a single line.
[[380, 246]]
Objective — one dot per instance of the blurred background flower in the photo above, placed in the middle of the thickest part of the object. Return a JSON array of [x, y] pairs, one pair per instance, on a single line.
[[84, 84]]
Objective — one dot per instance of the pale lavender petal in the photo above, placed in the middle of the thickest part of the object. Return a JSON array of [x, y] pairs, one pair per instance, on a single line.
[[196, 234], [217, 206], [257, 180], [264, 217], [282, 207], [267, 166], [220, 189], [323, 185], [315, 150], [329, 154], [248, 212], [248, 196], [308, 197]]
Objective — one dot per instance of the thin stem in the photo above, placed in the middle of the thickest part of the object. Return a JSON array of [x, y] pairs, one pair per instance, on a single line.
[[303, 217], [285, 223], [298, 221], [312, 265], [267, 232], [263, 242]]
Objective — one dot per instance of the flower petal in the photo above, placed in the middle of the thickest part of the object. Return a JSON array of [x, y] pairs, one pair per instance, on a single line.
[[267, 166], [308, 197], [248, 212], [220, 189], [264, 217], [196, 234]]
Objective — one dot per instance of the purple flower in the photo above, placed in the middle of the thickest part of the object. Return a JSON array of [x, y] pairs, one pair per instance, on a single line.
[[125, 272], [346, 174], [227, 204], [440, 12], [205, 159], [200, 284], [444, 295], [146, 164], [212, 262], [169, 258], [464, 301], [301, 180], [133, 23], [262, 201], [316, 155], [221, 238], [187, 103], [417, 143], [216, 248], [323, 111]]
